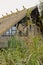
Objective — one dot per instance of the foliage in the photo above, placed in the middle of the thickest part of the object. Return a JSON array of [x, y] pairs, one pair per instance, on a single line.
[[20, 53], [36, 51], [41, 8]]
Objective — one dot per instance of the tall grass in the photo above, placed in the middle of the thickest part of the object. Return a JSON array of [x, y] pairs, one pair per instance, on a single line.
[[19, 53], [36, 51]]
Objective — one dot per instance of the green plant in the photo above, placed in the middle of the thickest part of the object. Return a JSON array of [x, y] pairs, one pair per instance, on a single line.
[[36, 51], [19, 53]]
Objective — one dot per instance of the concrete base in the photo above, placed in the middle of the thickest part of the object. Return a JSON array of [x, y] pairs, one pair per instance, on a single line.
[[4, 42], [3, 45]]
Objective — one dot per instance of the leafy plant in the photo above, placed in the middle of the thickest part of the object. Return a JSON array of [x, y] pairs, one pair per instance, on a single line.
[[19, 53]]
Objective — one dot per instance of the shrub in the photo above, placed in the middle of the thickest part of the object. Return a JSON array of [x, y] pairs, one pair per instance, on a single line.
[[19, 53]]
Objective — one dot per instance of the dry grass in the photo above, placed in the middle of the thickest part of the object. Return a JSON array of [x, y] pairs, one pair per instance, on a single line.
[[22, 51]]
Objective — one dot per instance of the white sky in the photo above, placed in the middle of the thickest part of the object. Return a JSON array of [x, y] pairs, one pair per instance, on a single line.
[[11, 5]]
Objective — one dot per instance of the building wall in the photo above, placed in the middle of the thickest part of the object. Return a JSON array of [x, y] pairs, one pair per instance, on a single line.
[[11, 31]]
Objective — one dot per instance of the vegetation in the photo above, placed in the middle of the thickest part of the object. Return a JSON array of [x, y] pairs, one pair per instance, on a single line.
[[41, 7], [23, 50], [21, 53]]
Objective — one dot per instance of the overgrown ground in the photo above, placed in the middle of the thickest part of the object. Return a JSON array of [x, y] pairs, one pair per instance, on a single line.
[[22, 52]]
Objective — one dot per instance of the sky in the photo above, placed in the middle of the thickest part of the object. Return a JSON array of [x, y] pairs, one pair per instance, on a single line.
[[10, 5]]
